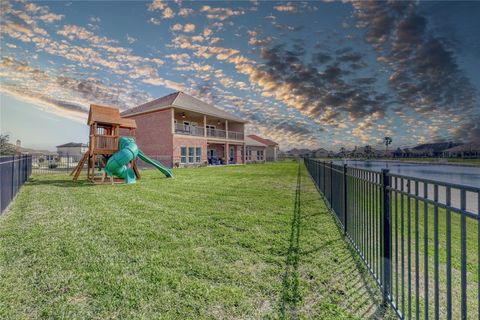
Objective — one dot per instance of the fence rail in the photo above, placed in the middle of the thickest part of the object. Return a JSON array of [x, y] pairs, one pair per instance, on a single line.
[[418, 238], [14, 171]]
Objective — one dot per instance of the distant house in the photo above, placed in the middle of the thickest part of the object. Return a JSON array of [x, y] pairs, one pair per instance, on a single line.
[[272, 147], [256, 151], [72, 149], [471, 149], [432, 149], [321, 153], [299, 153]]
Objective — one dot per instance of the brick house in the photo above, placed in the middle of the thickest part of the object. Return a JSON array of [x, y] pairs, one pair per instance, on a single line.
[[72, 150], [271, 151], [256, 151], [180, 130]]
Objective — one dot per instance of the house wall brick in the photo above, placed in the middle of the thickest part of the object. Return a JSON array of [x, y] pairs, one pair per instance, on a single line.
[[154, 133], [254, 154], [185, 141]]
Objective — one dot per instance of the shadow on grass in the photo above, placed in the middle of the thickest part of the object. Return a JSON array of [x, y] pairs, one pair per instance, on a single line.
[[360, 296], [64, 183], [290, 295]]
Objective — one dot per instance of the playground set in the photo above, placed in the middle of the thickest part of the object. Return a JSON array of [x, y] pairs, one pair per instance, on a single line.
[[109, 151]]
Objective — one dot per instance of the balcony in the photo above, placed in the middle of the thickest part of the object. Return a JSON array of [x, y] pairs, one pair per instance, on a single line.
[[234, 135], [189, 130], [216, 133], [222, 134]]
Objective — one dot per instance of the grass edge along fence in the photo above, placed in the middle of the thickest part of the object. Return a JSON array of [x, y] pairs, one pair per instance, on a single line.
[[14, 171], [421, 249]]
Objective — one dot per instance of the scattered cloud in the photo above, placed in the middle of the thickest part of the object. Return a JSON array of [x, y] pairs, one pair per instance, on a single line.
[[216, 13], [289, 7], [130, 39], [159, 5], [51, 17]]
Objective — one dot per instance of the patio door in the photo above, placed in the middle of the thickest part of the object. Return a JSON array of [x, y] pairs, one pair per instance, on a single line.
[[232, 154], [212, 153], [186, 126]]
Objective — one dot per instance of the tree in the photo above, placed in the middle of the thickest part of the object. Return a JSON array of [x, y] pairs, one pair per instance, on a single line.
[[368, 151], [6, 148], [387, 141], [342, 152]]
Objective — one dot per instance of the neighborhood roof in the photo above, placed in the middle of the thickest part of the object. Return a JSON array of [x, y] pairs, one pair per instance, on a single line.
[[73, 144], [437, 146], [267, 142], [253, 143], [467, 147], [181, 100], [110, 115]]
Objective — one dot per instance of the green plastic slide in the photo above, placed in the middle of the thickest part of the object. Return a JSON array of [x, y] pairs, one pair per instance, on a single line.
[[167, 172], [117, 165]]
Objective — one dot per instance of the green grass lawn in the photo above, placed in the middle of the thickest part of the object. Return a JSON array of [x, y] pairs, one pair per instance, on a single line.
[[243, 242]]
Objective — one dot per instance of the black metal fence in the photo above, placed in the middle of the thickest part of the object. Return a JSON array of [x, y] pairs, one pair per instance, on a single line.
[[418, 238], [54, 163], [14, 171], [61, 164]]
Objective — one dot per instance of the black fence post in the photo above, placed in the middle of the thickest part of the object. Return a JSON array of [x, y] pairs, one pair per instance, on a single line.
[[387, 254], [345, 199], [331, 184]]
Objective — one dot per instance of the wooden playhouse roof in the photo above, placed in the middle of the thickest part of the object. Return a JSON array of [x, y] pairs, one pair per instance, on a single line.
[[108, 115]]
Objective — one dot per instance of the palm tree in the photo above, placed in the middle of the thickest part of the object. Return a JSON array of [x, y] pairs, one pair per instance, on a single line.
[[387, 141]]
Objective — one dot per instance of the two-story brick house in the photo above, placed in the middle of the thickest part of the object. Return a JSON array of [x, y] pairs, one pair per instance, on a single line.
[[180, 130]]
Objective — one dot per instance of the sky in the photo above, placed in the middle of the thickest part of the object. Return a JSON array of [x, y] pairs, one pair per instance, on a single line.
[[305, 74]]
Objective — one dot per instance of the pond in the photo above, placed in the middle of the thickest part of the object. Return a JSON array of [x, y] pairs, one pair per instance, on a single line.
[[454, 174]]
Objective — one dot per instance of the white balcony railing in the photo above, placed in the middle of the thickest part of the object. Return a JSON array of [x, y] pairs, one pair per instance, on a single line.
[[189, 130], [216, 133], [234, 135], [211, 132]]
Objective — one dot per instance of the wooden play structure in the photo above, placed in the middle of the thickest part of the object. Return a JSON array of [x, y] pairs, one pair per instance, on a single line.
[[105, 125]]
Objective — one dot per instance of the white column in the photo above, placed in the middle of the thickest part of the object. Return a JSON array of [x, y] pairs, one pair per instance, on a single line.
[[204, 125], [226, 129]]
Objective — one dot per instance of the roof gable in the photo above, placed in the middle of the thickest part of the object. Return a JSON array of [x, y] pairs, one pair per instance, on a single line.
[[267, 142], [110, 115], [73, 144], [252, 142], [183, 101]]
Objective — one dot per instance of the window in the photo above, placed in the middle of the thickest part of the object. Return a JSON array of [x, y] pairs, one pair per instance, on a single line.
[[183, 155], [260, 155], [198, 155], [191, 154], [210, 130], [249, 154]]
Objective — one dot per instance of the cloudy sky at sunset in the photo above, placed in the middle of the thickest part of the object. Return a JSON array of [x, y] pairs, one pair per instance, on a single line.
[[306, 74]]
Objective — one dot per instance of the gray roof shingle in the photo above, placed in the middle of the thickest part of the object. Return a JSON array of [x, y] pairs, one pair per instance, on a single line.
[[181, 100]]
